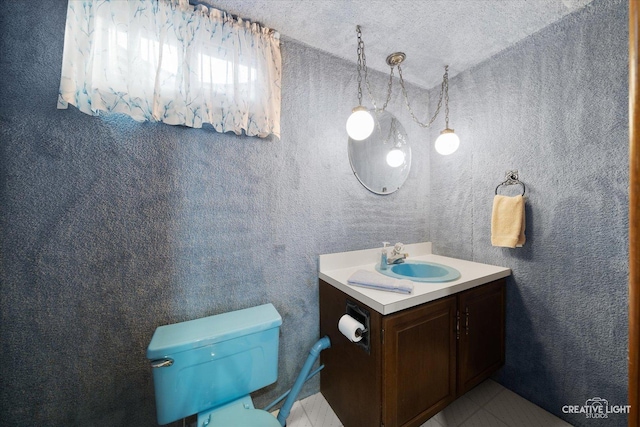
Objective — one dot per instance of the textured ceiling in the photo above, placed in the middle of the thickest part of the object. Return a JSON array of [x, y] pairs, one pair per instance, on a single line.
[[432, 33]]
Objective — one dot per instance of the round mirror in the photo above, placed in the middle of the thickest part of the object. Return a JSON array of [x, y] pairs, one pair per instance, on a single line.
[[382, 161]]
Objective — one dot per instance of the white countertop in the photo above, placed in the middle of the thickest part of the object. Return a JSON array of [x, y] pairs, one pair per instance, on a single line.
[[335, 269]]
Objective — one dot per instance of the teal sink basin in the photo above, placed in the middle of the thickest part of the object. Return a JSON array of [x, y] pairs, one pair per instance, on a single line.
[[421, 271]]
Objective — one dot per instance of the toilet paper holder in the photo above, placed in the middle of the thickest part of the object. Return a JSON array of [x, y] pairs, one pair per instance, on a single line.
[[361, 315]]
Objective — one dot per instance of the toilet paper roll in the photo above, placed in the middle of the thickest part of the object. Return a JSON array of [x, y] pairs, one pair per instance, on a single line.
[[350, 328]]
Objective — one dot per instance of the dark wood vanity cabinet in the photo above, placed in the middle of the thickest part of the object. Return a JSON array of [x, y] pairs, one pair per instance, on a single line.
[[418, 360], [481, 343]]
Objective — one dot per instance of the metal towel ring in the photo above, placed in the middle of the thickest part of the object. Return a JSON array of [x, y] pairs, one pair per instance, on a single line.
[[512, 179]]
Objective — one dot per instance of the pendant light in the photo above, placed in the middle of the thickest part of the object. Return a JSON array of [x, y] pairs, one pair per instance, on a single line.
[[360, 123], [448, 142]]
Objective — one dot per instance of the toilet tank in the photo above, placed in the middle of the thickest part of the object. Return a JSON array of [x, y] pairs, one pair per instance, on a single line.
[[204, 363]]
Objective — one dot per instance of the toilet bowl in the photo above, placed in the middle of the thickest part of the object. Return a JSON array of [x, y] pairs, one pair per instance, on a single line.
[[209, 367], [239, 413]]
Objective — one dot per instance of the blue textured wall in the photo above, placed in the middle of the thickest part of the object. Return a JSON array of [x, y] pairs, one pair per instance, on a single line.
[[110, 228], [554, 107]]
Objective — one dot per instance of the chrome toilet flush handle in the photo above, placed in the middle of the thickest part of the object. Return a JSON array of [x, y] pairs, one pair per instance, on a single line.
[[162, 363]]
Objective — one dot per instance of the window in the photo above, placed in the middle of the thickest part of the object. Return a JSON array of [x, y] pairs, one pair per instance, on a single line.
[[167, 61]]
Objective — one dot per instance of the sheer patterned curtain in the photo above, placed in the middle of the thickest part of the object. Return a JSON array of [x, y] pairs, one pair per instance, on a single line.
[[168, 61]]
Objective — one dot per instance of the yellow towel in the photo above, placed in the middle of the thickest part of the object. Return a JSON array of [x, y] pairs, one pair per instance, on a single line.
[[507, 221]]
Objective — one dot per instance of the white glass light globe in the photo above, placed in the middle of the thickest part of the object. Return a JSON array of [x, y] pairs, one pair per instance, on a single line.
[[360, 124], [395, 157], [447, 143]]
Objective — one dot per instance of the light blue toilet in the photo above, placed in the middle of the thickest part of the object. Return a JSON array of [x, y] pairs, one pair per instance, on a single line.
[[209, 366]]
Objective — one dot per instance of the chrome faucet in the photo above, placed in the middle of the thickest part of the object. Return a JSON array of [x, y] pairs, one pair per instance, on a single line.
[[397, 256]]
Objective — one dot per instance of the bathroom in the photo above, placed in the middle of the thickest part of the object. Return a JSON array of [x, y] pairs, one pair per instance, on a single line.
[[111, 227]]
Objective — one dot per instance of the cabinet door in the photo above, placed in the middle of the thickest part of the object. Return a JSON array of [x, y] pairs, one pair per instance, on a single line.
[[481, 343], [419, 360]]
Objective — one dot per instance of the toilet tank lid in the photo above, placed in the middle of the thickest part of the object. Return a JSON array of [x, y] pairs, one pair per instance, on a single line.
[[183, 336]]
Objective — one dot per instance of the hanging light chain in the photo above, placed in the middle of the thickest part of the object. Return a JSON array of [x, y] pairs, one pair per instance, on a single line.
[[363, 57], [444, 92], [389, 86], [361, 60], [362, 69], [445, 88]]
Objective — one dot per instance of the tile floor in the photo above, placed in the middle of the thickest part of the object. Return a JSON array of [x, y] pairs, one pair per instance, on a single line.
[[487, 405]]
